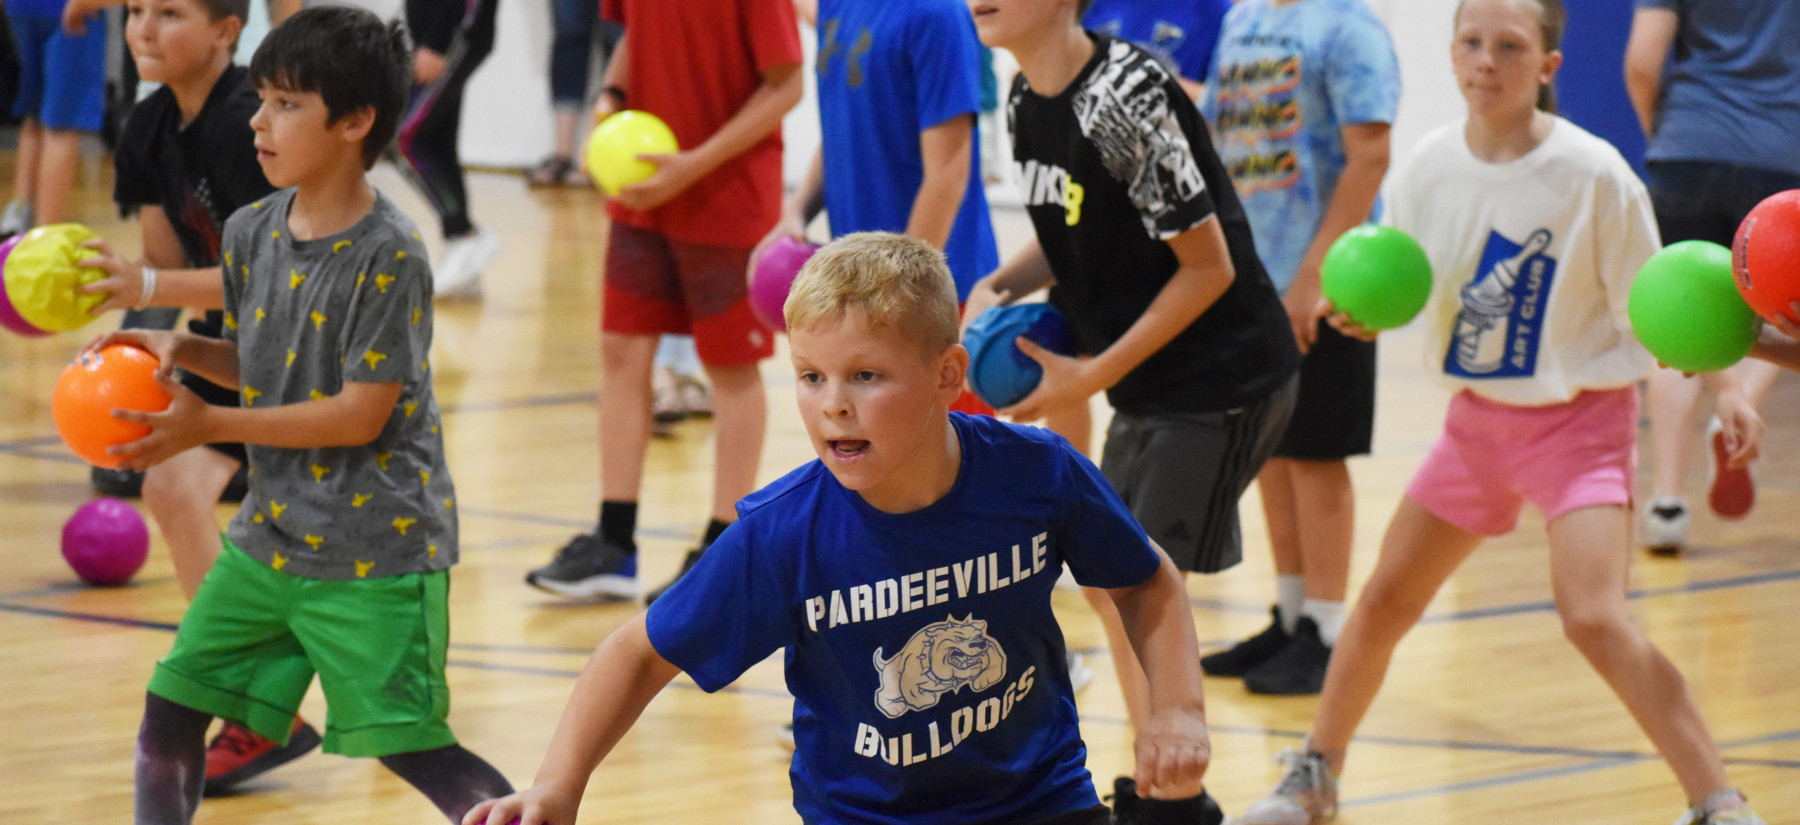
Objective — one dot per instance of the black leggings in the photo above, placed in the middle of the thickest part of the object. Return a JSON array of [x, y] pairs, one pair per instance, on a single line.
[[428, 129], [171, 768]]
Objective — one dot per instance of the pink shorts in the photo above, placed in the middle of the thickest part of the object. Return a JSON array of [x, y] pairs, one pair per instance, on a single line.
[[1494, 457]]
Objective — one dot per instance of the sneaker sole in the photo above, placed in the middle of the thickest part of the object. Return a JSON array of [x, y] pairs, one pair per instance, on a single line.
[[1733, 492], [299, 744], [596, 587]]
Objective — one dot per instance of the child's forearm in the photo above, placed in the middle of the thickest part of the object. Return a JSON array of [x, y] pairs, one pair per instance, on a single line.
[[352, 418], [946, 149], [1204, 275], [761, 114], [1027, 271], [1366, 153], [214, 359], [619, 681], [199, 288], [1777, 348], [1157, 619]]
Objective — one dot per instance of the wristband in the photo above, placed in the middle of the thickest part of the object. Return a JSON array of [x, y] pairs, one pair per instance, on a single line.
[[617, 93], [148, 290]]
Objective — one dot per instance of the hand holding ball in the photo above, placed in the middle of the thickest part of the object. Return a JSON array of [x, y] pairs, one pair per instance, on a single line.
[[1378, 275], [42, 276], [1687, 312], [1000, 372], [118, 377], [773, 276], [613, 149]]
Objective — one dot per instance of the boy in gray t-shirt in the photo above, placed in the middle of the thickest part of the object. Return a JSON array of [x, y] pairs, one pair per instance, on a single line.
[[337, 564], [309, 316]]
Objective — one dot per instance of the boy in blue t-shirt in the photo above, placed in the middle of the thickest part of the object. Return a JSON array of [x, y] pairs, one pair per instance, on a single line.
[[1301, 97], [1181, 33], [899, 90], [907, 573], [350, 520]]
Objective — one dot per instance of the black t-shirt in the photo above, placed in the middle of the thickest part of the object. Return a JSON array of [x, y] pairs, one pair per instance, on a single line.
[[1111, 168], [200, 174]]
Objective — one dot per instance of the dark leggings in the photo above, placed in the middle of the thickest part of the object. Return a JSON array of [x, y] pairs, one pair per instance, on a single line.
[[429, 126], [171, 768]]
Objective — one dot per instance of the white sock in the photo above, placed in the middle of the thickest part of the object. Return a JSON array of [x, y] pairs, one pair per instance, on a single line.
[[1290, 596], [1329, 616]]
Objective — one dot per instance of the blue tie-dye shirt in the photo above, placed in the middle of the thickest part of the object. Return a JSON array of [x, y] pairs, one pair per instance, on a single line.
[[1285, 80]]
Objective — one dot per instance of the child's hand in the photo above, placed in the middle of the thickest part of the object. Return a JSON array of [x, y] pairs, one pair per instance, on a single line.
[[124, 282], [181, 427], [1066, 381], [1741, 427], [75, 16], [674, 173], [536, 805], [982, 298], [790, 225], [428, 65], [1304, 309], [162, 343], [1343, 323], [1173, 751]]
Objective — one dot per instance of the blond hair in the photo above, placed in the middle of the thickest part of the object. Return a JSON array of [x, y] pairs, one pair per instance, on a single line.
[[897, 281]]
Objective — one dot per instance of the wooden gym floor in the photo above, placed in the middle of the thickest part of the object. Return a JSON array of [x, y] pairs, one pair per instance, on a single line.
[[1487, 717]]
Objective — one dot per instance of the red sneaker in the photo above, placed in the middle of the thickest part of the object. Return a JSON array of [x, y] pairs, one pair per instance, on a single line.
[[238, 754], [1733, 492]]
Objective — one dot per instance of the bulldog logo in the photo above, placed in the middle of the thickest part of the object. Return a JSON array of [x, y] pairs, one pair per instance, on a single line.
[[941, 658]]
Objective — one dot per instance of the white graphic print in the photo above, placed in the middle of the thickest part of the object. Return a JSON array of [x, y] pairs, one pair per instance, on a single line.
[[1124, 110], [939, 659]]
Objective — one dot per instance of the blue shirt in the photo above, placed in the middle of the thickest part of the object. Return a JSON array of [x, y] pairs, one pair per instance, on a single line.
[[888, 71], [1732, 92], [1181, 33], [1285, 81], [928, 673]]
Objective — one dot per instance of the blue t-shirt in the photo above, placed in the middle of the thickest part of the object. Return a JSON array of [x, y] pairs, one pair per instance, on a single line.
[[1732, 92], [888, 71], [1181, 33], [928, 673], [1285, 81]]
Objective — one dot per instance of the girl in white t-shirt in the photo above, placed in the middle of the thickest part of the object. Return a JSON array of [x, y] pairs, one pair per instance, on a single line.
[[1534, 229]]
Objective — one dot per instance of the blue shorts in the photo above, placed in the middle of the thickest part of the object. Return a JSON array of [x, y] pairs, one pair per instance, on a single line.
[[62, 79]]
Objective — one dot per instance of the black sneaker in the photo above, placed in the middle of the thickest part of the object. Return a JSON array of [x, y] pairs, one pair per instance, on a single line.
[[117, 483], [1298, 670], [1130, 809], [588, 567], [687, 563], [1241, 657]]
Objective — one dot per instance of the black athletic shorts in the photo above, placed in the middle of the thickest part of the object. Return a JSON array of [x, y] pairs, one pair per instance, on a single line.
[[1334, 417], [1182, 474]]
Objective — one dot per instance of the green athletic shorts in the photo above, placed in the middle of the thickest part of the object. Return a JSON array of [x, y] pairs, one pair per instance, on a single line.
[[253, 637]]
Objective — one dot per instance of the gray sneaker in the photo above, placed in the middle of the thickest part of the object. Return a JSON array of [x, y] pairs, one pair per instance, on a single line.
[[16, 218], [588, 567], [1707, 813], [1307, 795]]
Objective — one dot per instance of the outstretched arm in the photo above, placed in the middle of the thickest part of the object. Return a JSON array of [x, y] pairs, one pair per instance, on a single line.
[[1173, 749], [620, 679]]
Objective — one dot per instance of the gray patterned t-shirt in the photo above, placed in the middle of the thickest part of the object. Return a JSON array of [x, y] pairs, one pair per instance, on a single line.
[[309, 316]]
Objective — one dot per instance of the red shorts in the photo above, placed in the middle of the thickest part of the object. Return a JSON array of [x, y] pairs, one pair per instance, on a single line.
[[1494, 457], [656, 286]]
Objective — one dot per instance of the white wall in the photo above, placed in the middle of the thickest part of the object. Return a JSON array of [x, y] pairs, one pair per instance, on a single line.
[[506, 115]]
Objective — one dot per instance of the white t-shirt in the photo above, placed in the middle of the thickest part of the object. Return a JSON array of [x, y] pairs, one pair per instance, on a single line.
[[1532, 261]]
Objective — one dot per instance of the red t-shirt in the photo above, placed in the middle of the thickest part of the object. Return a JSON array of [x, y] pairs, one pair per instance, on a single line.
[[694, 63]]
